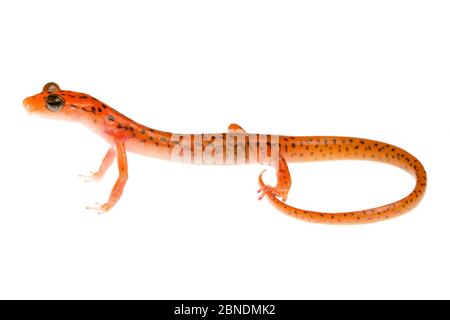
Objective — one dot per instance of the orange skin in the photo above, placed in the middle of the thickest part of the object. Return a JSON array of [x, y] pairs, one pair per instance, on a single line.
[[124, 134]]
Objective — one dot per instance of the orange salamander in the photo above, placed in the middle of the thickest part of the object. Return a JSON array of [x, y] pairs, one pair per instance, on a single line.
[[233, 147]]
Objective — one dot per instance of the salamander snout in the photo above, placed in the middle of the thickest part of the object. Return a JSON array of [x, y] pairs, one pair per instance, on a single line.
[[29, 104]]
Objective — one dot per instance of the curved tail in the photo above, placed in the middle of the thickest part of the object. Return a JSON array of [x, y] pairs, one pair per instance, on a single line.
[[298, 149]]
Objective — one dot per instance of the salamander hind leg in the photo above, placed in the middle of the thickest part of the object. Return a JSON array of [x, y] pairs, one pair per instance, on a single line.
[[235, 128], [281, 189]]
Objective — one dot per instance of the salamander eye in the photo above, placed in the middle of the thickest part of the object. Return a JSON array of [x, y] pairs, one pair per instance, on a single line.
[[54, 102], [51, 87]]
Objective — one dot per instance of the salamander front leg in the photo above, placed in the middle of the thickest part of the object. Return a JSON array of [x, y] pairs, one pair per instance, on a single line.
[[283, 182], [117, 190], [106, 163]]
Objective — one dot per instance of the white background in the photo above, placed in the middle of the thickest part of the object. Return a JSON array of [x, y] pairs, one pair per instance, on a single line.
[[377, 70]]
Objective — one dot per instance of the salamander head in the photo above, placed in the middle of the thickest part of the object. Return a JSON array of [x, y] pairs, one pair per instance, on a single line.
[[55, 103]]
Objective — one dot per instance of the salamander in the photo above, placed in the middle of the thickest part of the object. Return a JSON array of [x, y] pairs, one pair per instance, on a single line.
[[233, 147]]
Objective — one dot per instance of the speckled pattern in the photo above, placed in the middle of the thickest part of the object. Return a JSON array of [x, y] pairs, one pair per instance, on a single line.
[[347, 148], [125, 135]]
